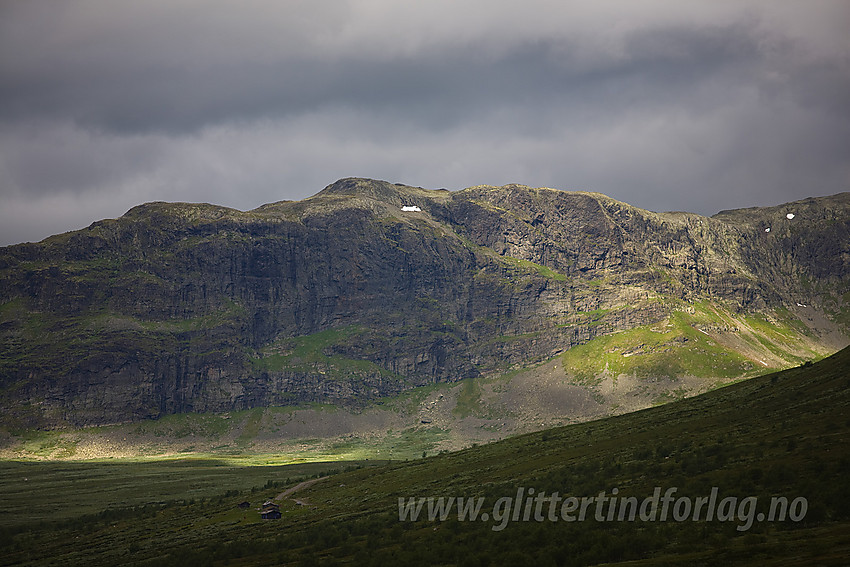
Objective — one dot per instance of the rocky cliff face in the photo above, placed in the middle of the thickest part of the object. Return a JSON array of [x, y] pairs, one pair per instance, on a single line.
[[345, 297]]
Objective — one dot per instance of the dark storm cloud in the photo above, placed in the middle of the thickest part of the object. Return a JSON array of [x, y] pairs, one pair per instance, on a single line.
[[690, 105], [112, 89]]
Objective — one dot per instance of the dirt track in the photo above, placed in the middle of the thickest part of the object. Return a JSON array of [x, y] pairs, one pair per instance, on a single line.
[[297, 487]]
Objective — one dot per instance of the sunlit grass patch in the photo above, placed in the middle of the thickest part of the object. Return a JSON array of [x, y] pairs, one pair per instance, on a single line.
[[667, 349]]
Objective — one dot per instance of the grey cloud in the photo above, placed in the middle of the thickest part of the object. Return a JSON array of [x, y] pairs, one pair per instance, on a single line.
[[127, 92], [44, 158], [702, 107]]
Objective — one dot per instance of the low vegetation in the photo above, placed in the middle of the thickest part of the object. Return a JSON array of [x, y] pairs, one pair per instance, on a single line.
[[783, 435], [307, 354], [701, 340]]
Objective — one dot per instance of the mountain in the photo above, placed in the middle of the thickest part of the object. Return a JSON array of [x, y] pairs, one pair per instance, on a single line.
[[371, 289]]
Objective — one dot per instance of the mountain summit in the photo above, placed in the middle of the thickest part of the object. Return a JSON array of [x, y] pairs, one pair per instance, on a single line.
[[369, 289]]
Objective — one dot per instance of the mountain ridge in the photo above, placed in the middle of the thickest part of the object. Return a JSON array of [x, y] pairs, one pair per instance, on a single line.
[[344, 297]]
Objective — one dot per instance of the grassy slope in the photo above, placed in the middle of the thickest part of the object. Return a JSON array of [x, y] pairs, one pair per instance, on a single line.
[[705, 341], [784, 434]]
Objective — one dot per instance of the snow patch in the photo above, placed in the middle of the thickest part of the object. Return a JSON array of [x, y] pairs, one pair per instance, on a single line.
[[411, 209], [767, 229], [789, 216]]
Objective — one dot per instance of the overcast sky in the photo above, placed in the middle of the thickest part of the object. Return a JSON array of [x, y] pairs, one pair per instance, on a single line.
[[667, 105]]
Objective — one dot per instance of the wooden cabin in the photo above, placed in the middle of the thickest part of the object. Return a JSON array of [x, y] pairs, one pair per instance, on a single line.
[[270, 511]]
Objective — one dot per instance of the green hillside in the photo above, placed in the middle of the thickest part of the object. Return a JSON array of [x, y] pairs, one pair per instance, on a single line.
[[783, 435]]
